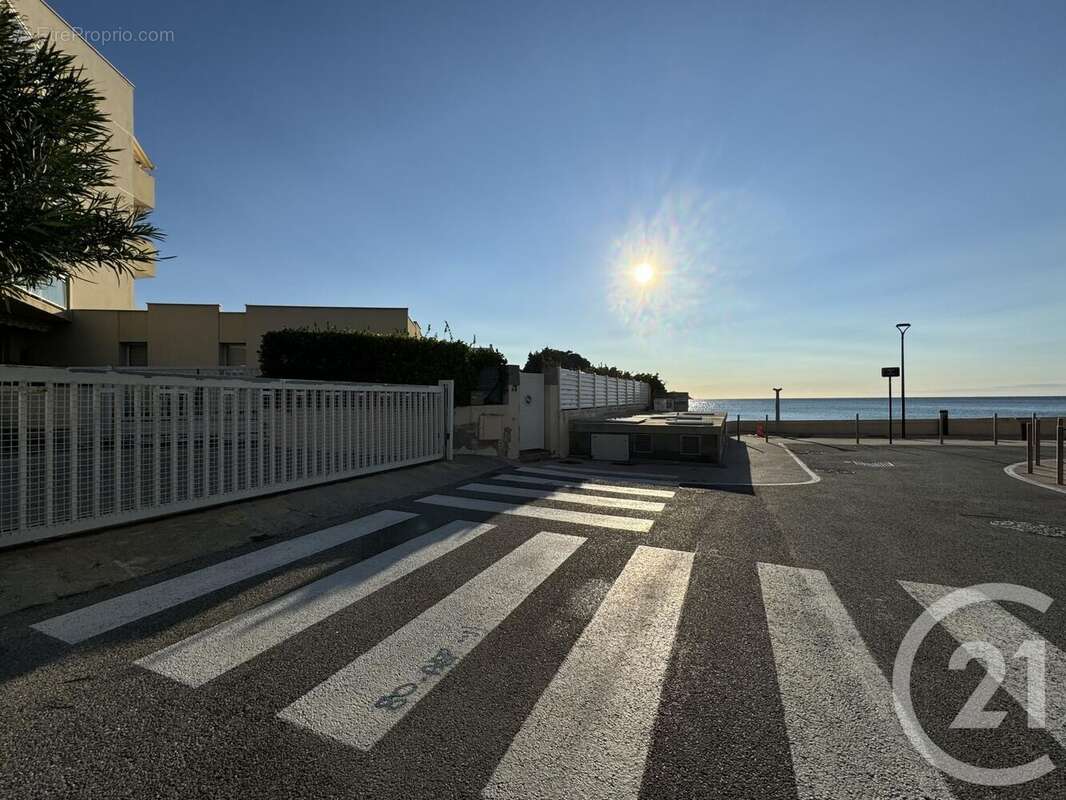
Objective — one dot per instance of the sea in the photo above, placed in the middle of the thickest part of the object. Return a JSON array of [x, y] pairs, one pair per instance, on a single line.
[[877, 407]]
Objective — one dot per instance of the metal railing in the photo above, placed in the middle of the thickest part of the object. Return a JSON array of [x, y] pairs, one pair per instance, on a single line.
[[588, 390], [82, 450]]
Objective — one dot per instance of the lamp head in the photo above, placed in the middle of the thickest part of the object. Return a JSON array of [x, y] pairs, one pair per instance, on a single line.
[[903, 326]]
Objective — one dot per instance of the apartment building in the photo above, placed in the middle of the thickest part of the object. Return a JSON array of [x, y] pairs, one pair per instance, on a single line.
[[92, 321], [43, 310]]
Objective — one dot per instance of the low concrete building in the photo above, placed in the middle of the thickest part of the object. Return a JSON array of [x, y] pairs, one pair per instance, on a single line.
[[198, 337], [672, 437]]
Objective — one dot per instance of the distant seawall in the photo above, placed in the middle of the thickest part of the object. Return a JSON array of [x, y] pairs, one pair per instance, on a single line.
[[1010, 428]]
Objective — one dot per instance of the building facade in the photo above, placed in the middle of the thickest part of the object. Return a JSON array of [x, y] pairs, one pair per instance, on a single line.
[[26, 321], [200, 337], [91, 320]]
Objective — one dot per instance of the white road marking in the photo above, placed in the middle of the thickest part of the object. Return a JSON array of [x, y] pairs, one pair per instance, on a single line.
[[361, 703], [589, 733], [614, 477], [990, 622], [842, 727], [587, 486], [542, 512], [1014, 470], [93, 620], [814, 477], [200, 658], [566, 497], [611, 472]]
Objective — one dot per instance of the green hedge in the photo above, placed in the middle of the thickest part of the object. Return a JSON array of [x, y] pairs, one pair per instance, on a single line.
[[360, 357]]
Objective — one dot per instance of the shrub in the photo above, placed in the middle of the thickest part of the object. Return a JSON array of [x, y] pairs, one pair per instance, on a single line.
[[362, 357]]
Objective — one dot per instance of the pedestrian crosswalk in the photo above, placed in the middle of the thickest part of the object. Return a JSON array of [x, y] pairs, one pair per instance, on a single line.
[[627, 492], [592, 725]]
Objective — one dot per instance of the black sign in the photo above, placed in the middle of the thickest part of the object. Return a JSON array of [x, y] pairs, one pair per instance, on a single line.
[[889, 372]]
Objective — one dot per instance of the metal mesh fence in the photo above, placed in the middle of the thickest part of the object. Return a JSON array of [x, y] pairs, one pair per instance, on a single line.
[[83, 450]]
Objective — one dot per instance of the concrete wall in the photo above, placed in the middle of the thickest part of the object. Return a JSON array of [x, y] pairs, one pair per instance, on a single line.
[[958, 428], [189, 335], [491, 429], [557, 420]]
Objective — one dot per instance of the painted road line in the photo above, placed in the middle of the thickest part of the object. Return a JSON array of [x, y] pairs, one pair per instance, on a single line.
[[814, 477], [204, 656], [361, 703], [566, 497], [615, 478], [106, 615], [988, 622], [542, 512], [618, 473], [827, 675], [589, 733], [589, 487], [1017, 471]]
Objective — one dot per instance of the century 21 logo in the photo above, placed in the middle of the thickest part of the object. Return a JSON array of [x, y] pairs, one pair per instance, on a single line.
[[974, 713]]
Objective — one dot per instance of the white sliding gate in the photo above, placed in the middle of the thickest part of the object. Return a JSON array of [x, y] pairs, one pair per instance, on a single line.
[[83, 450]]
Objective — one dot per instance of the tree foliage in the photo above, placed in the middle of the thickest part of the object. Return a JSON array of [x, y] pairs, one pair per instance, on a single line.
[[59, 213], [363, 357]]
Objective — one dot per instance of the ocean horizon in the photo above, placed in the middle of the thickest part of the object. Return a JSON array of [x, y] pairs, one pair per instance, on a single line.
[[877, 407]]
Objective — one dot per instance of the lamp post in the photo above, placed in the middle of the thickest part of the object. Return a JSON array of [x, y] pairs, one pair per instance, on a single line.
[[902, 327]]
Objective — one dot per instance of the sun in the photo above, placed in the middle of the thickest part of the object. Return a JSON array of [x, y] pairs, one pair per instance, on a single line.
[[643, 273]]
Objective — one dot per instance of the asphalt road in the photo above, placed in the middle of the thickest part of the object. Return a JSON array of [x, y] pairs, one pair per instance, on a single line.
[[733, 643]]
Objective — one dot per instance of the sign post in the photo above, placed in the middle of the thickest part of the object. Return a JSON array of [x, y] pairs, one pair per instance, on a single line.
[[890, 373]]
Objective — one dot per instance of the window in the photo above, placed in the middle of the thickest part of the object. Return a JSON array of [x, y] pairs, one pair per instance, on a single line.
[[642, 443], [690, 445], [232, 354], [134, 354], [54, 292]]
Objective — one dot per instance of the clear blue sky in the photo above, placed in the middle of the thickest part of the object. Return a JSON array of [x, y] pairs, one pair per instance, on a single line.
[[801, 175]]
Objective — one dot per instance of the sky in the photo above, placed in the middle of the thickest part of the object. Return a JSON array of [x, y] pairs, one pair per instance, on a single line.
[[800, 176]]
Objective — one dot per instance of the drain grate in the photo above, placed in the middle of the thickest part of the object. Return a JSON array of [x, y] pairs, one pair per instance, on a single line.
[[1038, 528], [872, 464]]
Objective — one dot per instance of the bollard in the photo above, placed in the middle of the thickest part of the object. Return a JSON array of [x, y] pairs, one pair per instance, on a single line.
[[1036, 439], [1059, 448], [1029, 448], [995, 429], [856, 429], [940, 428], [738, 427], [766, 429]]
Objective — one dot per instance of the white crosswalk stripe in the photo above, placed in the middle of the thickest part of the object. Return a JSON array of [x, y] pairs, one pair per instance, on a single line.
[[627, 478], [200, 658], [989, 623], [588, 486], [566, 497], [824, 671], [93, 620], [589, 734], [362, 702], [542, 512]]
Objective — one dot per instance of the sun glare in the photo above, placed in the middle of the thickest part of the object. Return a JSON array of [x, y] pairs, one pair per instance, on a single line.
[[643, 273]]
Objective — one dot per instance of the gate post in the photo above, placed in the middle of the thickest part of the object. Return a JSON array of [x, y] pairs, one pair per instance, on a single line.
[[447, 396]]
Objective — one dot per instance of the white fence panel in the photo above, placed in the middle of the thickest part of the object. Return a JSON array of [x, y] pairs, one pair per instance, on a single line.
[[587, 390], [83, 450]]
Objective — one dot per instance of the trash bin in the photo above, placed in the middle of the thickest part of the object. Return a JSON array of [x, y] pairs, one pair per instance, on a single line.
[[944, 421]]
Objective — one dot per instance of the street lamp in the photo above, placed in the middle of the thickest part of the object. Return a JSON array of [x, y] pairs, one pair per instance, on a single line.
[[902, 327]]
